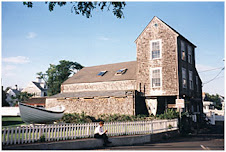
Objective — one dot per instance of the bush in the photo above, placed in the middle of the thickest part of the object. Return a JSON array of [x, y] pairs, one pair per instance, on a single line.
[[83, 118], [42, 138], [169, 114], [76, 118]]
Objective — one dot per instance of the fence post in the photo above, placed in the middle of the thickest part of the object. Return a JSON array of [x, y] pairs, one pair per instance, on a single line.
[[33, 132], [15, 137], [166, 127], [19, 130], [11, 141], [58, 132], [66, 131], [3, 140], [8, 131], [87, 131], [49, 132]]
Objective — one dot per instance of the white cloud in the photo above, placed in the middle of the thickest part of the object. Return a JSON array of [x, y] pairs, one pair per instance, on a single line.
[[31, 35], [17, 59]]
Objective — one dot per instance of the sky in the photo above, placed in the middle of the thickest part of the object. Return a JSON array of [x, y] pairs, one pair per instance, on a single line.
[[34, 38]]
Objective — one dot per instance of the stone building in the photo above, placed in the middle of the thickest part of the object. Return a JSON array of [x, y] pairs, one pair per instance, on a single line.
[[163, 72]]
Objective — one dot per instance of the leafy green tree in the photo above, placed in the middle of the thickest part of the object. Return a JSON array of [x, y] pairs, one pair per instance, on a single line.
[[57, 74], [4, 102], [22, 96], [86, 8], [215, 99]]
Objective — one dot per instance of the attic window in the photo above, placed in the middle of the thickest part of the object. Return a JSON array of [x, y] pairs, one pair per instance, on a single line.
[[121, 71], [101, 73], [156, 25]]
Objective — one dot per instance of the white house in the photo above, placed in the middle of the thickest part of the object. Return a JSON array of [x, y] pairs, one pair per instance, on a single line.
[[38, 88], [10, 94]]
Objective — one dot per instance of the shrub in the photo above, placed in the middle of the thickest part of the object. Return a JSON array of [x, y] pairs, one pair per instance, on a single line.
[[42, 138], [83, 118], [170, 126], [169, 114]]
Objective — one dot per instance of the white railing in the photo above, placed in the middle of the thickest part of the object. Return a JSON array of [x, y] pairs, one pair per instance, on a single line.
[[56, 132]]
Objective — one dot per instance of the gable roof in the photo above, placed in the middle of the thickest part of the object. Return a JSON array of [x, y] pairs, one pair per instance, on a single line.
[[39, 86], [166, 25], [89, 74], [15, 91]]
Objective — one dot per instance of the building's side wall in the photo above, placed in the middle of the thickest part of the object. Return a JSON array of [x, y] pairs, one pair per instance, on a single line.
[[100, 86], [168, 61], [95, 106], [192, 96]]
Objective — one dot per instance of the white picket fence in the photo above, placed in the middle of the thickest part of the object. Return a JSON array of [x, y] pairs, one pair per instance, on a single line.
[[56, 132]]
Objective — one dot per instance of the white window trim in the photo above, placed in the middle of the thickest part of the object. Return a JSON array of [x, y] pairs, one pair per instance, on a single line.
[[160, 45], [157, 68]]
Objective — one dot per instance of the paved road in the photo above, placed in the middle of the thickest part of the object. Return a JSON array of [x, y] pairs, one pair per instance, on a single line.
[[212, 140], [180, 143]]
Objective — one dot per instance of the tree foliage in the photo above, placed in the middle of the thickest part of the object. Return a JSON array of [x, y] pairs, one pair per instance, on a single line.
[[215, 99], [4, 102], [86, 8], [22, 96], [57, 74]]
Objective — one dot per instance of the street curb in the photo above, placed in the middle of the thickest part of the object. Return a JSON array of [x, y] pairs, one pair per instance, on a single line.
[[92, 143]]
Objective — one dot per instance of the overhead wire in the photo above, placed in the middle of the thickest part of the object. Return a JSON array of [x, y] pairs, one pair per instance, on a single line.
[[210, 70], [214, 77]]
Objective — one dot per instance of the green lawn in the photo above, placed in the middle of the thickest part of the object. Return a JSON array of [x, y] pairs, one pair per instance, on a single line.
[[12, 121]]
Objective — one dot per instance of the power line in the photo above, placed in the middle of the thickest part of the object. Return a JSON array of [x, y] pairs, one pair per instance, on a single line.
[[215, 76], [210, 70]]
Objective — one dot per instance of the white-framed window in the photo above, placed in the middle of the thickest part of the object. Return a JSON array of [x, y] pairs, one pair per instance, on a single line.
[[197, 83], [189, 54], [156, 77], [156, 49], [101, 73], [184, 78], [183, 53], [191, 80], [121, 71]]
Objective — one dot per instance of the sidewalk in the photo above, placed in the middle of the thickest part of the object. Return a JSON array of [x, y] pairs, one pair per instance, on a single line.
[[92, 143]]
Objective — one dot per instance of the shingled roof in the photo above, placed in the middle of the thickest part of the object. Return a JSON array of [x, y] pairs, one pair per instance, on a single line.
[[90, 74], [39, 86]]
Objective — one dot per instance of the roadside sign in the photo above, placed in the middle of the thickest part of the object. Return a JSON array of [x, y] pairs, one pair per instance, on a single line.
[[180, 103]]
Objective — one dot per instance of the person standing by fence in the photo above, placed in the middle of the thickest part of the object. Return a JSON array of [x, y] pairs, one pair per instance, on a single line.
[[101, 134]]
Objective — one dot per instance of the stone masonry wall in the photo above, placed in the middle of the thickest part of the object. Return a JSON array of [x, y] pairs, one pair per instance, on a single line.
[[168, 62], [100, 86], [95, 106]]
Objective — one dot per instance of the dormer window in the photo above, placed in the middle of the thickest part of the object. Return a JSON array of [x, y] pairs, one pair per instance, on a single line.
[[101, 73], [121, 71]]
